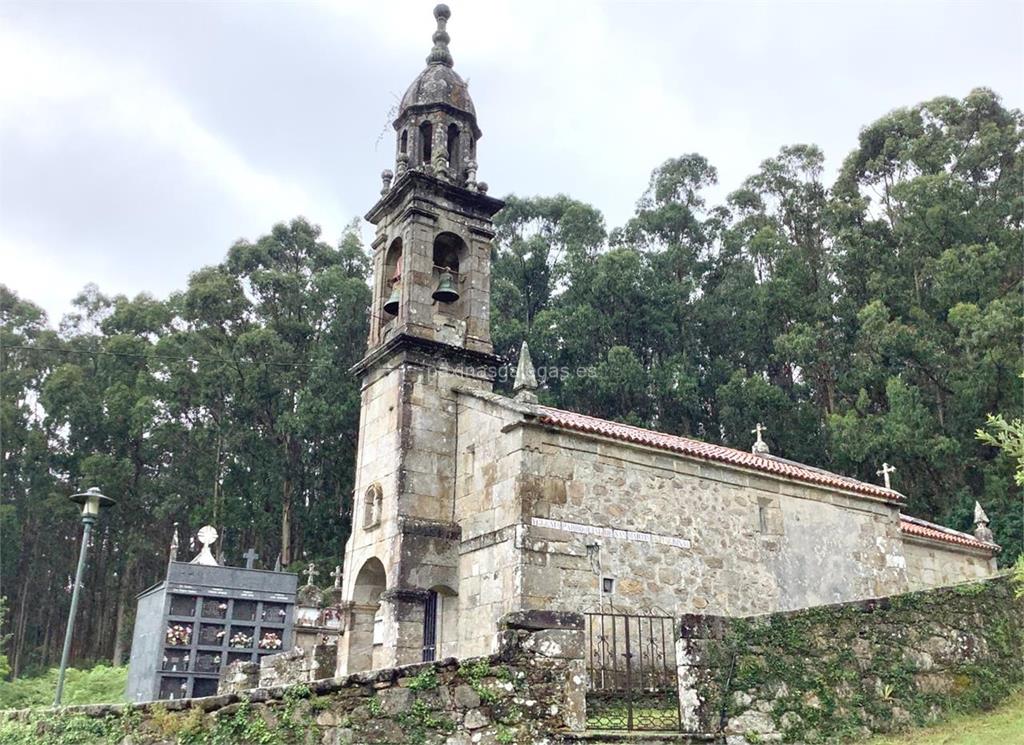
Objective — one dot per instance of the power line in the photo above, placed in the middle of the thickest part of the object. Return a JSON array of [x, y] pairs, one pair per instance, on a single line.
[[95, 352]]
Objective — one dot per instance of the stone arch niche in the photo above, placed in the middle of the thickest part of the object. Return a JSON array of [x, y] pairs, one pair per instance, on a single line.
[[365, 630], [373, 501]]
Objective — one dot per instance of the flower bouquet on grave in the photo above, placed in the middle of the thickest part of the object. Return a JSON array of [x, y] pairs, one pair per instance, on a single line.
[[222, 606], [179, 636], [219, 635], [270, 640], [241, 639]]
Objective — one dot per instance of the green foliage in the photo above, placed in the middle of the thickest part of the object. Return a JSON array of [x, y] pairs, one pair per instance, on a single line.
[[223, 404], [475, 672], [97, 685], [420, 721], [1004, 725], [425, 680], [827, 673], [375, 707]]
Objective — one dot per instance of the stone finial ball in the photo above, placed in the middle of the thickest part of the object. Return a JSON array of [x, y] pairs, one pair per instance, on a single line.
[[442, 11]]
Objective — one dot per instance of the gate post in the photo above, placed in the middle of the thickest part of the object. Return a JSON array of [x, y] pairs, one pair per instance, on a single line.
[[700, 700], [554, 640]]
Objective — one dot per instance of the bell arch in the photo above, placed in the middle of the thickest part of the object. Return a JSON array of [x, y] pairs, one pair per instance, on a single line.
[[449, 255], [391, 290], [365, 631]]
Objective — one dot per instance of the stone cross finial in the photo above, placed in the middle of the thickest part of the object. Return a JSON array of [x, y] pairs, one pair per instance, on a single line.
[[311, 572], [760, 447], [886, 471], [337, 577], [250, 557], [526, 377], [207, 536], [981, 529], [440, 55]]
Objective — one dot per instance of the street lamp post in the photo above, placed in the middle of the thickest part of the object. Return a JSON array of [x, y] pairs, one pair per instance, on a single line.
[[91, 501]]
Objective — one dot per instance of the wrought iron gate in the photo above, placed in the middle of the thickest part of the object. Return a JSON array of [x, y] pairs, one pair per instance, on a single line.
[[631, 665]]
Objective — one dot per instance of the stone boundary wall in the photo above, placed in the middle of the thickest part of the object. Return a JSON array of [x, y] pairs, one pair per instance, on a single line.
[[530, 692], [843, 672]]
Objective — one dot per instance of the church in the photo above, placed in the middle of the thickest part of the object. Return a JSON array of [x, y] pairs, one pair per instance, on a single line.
[[469, 504]]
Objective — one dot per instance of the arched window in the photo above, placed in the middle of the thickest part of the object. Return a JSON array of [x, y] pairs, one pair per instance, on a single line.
[[373, 500], [426, 141], [453, 148], [404, 142]]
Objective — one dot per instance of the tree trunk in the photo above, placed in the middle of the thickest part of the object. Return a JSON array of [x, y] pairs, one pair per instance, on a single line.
[[286, 523], [117, 658]]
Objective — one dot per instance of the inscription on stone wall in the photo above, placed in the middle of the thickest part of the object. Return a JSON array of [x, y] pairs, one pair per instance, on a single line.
[[636, 536]]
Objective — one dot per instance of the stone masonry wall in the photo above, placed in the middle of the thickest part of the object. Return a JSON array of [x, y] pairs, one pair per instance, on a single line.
[[845, 671], [684, 535], [488, 511], [931, 564], [531, 692]]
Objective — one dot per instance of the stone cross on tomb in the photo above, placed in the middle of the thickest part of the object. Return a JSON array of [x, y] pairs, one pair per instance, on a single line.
[[250, 557], [311, 572], [760, 446], [207, 536], [337, 577], [885, 472]]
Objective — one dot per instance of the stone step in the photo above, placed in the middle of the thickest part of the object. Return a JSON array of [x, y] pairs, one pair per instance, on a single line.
[[644, 738]]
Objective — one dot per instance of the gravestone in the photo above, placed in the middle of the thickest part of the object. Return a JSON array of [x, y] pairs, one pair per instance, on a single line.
[[202, 617]]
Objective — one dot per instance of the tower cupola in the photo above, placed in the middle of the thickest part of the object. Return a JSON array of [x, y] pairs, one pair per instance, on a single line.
[[436, 123]]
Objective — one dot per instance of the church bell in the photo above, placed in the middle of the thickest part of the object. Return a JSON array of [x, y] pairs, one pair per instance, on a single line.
[[391, 305], [446, 292]]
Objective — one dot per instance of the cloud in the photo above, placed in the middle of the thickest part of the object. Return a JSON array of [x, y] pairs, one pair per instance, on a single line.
[[121, 157]]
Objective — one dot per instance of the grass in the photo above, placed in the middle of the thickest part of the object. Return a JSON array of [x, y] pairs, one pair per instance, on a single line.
[[97, 685], [1003, 725]]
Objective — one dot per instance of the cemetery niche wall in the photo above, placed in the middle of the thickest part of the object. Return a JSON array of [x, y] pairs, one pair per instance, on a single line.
[[202, 617]]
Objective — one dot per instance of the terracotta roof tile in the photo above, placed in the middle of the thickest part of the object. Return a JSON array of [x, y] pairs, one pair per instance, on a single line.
[[917, 527], [770, 464], [696, 448]]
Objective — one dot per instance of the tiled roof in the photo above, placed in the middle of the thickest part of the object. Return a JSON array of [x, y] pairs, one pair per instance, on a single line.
[[696, 448], [922, 528]]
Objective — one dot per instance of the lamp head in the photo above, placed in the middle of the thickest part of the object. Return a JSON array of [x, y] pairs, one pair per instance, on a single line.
[[91, 500]]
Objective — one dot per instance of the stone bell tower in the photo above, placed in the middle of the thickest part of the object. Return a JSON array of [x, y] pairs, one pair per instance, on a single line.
[[429, 333]]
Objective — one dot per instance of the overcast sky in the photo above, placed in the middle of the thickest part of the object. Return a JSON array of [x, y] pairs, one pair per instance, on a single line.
[[139, 140]]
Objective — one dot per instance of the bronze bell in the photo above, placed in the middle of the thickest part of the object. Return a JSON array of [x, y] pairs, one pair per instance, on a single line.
[[446, 292], [391, 305]]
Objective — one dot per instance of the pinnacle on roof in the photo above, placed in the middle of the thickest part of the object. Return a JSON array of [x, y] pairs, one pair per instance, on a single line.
[[526, 377]]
